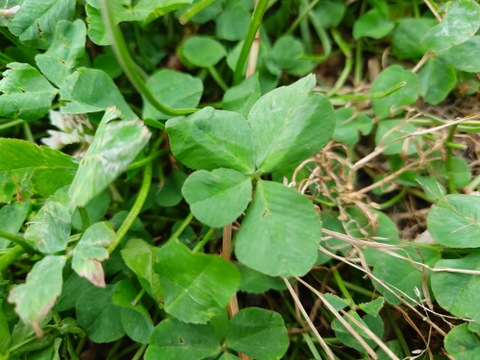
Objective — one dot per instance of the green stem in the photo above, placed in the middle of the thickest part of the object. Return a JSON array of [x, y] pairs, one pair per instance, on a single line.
[[393, 200], [343, 288], [206, 238], [128, 65], [141, 163], [359, 289], [11, 124], [138, 355], [311, 346], [17, 240], [474, 184], [182, 227], [28, 132], [376, 95], [193, 10], [138, 297], [218, 79], [323, 36], [136, 208], [449, 161], [9, 257], [399, 334], [345, 48], [85, 218], [255, 22], [302, 15], [358, 72]]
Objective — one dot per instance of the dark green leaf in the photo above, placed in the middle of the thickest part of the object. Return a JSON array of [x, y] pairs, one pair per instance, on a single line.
[[187, 94], [437, 79], [462, 344], [115, 146], [26, 93], [210, 139], [219, 197], [270, 241], [12, 217], [373, 24], [170, 193], [464, 57], [34, 299], [62, 56], [407, 35], [91, 250], [256, 282], [290, 124], [173, 340], [34, 24], [406, 95], [99, 316], [453, 221], [329, 13], [258, 333], [232, 24], [196, 287]]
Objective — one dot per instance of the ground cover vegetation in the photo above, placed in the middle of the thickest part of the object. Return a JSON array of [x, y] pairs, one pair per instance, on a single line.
[[235, 179]]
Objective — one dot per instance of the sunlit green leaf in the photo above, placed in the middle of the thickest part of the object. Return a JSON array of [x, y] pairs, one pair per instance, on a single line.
[[270, 241], [80, 91], [34, 24], [49, 229], [454, 221], [407, 35], [210, 139], [91, 251], [290, 124], [461, 22], [460, 56], [26, 93], [219, 197], [462, 344], [196, 287], [173, 340], [115, 146], [242, 97], [62, 56], [34, 299]]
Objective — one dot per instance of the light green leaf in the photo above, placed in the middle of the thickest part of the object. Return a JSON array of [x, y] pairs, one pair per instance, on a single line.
[[407, 35], [462, 344], [115, 146], [242, 97], [329, 13], [373, 24], [202, 51], [290, 124], [34, 24], [27, 169], [402, 276], [80, 90], [219, 197], [396, 136], [337, 302], [12, 217], [437, 79], [135, 317], [26, 93], [453, 221], [270, 241], [461, 22], [34, 299], [458, 293], [406, 95], [96, 29], [173, 340], [67, 47], [148, 10], [460, 56], [99, 316], [258, 333], [140, 257], [373, 307], [50, 228], [91, 250], [196, 287], [187, 94], [210, 139], [287, 54]]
